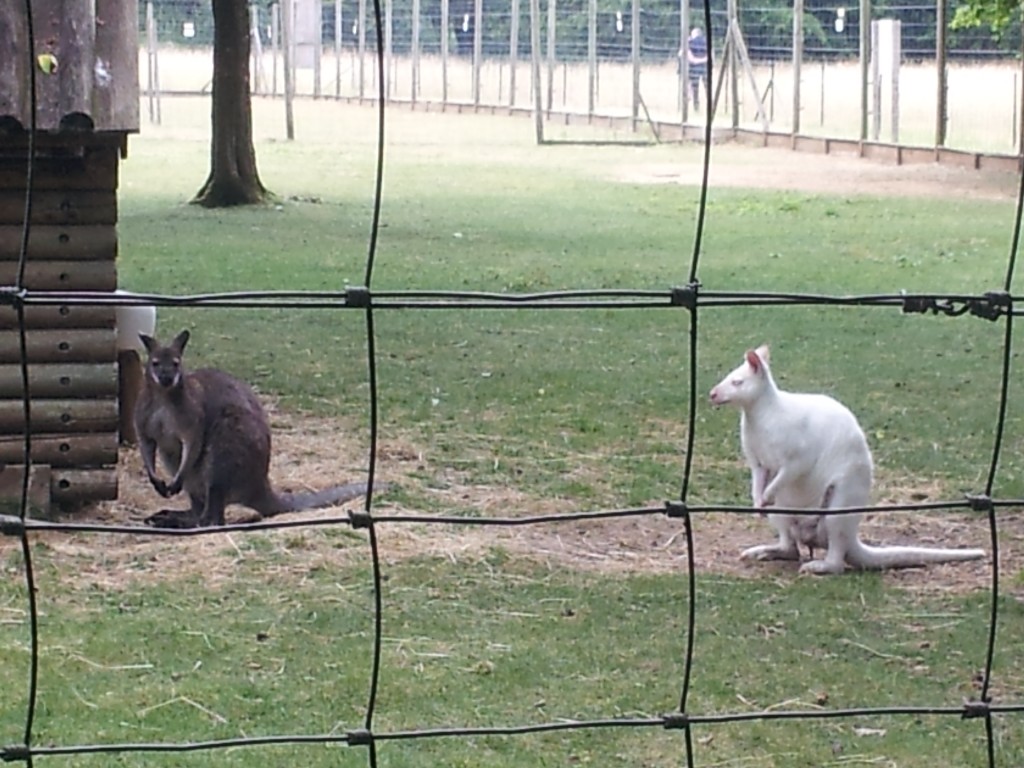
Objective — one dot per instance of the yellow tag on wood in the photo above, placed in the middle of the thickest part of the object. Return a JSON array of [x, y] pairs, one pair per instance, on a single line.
[[47, 63]]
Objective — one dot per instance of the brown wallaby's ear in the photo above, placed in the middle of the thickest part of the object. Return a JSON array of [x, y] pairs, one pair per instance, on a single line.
[[180, 341], [148, 342]]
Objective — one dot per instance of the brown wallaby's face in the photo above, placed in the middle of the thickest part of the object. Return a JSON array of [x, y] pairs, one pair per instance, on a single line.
[[164, 366]]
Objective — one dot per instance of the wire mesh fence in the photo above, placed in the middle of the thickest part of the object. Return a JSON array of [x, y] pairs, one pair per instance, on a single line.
[[593, 65], [998, 307]]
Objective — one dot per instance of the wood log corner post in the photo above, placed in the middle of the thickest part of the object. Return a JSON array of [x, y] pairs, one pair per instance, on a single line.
[[86, 105], [71, 348]]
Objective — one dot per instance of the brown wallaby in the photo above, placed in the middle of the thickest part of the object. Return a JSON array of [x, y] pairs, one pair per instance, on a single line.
[[210, 430]]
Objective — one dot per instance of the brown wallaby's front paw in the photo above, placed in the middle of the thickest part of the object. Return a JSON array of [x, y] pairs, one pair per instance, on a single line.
[[173, 489], [159, 485], [171, 518]]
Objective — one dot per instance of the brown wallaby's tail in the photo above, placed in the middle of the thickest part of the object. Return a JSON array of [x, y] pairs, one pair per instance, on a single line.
[[297, 502]]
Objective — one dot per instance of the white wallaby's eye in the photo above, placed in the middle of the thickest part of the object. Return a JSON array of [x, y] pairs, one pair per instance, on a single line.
[[736, 382]]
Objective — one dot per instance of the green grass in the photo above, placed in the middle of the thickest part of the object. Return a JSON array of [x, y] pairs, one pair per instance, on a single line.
[[497, 643], [586, 407]]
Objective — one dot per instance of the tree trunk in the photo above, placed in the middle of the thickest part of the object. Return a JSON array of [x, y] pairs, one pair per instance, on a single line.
[[233, 178]]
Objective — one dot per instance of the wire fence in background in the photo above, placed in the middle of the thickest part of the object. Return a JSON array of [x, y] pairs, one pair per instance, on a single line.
[[996, 306], [594, 64]]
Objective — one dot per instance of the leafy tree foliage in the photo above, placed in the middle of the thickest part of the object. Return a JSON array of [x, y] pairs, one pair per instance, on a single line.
[[997, 15]]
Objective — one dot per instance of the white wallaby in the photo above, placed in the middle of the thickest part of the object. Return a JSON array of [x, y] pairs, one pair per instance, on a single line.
[[807, 451]]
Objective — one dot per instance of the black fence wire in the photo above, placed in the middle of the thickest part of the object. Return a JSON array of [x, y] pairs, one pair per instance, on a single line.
[[998, 305]]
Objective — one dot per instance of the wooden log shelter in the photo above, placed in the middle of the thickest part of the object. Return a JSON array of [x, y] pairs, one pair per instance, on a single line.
[[85, 57]]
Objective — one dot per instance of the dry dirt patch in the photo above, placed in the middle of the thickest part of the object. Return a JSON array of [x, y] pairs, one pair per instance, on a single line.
[[785, 170], [312, 452]]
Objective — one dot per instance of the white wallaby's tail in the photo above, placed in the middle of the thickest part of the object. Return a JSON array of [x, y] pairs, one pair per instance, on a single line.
[[861, 555]]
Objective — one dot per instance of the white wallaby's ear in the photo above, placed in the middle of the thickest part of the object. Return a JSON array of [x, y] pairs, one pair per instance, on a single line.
[[754, 361], [764, 353]]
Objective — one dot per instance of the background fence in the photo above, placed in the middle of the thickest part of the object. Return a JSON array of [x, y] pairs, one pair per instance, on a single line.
[[621, 61]]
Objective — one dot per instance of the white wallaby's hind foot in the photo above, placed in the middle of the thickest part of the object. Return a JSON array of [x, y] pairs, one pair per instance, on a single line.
[[808, 452], [771, 552], [823, 567]]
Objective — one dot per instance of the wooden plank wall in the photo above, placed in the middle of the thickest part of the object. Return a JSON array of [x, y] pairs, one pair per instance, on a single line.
[[72, 351], [95, 84]]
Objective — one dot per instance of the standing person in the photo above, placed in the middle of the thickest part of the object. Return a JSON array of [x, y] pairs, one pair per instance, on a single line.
[[697, 62]]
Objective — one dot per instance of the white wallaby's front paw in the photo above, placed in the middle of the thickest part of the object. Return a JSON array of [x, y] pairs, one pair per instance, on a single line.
[[770, 552], [822, 567]]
